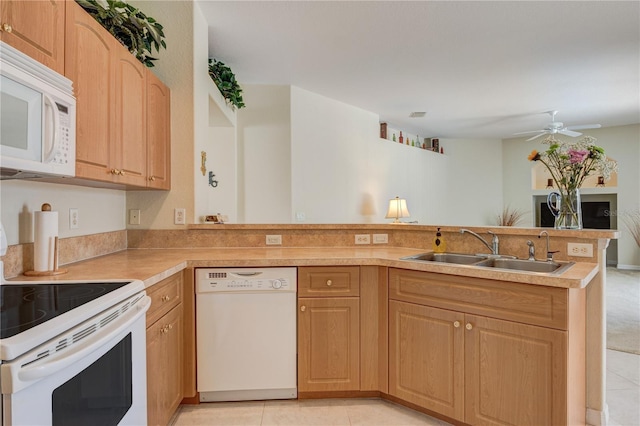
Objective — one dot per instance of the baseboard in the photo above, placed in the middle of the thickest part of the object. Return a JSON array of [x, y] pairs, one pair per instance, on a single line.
[[597, 417], [628, 267]]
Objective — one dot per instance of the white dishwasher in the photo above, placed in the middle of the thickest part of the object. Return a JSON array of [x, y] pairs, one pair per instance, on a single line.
[[246, 333]]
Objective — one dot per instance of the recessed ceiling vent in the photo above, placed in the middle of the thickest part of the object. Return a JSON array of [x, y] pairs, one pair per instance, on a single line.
[[417, 114]]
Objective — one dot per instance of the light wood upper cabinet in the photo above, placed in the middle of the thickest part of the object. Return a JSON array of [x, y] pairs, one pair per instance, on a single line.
[[90, 63], [158, 133], [129, 150], [36, 28], [328, 344], [123, 110]]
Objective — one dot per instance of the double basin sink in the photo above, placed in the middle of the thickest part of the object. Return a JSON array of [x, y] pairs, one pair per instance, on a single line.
[[497, 262]]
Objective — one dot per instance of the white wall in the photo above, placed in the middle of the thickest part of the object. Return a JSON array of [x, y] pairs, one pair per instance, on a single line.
[[264, 155], [99, 210], [621, 143], [329, 156], [175, 67]]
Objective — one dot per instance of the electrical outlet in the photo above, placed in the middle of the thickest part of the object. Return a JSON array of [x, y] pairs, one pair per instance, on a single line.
[[134, 217], [301, 217], [363, 239], [580, 250], [179, 216], [274, 240], [74, 219], [380, 238]]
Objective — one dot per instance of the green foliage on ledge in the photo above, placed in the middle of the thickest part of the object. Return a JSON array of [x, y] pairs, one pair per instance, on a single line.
[[135, 30], [226, 81]]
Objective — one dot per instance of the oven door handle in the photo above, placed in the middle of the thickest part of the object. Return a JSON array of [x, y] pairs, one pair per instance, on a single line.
[[39, 371]]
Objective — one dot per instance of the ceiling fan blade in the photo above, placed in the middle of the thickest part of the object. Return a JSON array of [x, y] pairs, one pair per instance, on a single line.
[[584, 126], [536, 136], [569, 133], [529, 132]]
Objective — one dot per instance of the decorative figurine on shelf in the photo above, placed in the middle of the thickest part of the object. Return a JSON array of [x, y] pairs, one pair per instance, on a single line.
[[400, 139]]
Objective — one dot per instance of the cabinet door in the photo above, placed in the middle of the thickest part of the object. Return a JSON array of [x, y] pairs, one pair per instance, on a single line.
[[129, 152], [89, 63], [426, 357], [515, 373], [164, 367], [328, 344], [36, 28], [158, 133]]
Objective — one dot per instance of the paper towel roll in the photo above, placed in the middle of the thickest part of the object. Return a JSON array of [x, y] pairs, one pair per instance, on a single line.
[[45, 233]]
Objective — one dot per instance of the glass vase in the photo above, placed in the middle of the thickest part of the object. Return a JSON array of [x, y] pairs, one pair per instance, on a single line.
[[566, 208]]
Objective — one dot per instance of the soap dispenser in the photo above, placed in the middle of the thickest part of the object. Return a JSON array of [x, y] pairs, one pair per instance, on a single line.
[[439, 245]]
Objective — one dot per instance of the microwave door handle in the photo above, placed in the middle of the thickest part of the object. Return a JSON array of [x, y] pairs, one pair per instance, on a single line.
[[49, 156], [39, 371]]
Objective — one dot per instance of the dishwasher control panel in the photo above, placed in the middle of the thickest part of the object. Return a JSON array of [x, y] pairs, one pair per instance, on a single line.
[[245, 279]]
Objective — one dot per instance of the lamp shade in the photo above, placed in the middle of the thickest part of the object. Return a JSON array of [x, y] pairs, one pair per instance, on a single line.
[[397, 209]]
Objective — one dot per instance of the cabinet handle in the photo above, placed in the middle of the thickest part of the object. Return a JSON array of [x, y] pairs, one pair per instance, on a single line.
[[115, 171], [7, 28], [152, 178], [303, 308], [166, 298], [329, 282], [121, 172], [469, 326], [164, 329], [456, 324]]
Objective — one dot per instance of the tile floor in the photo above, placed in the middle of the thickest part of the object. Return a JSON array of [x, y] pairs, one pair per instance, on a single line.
[[623, 398]]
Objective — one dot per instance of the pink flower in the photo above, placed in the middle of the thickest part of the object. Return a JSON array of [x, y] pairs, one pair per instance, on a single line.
[[577, 155]]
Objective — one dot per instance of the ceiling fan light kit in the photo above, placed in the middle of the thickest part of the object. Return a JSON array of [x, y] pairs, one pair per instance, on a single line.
[[558, 127]]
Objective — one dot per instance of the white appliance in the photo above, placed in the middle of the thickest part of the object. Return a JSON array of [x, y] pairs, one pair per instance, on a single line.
[[73, 353], [37, 118], [246, 333]]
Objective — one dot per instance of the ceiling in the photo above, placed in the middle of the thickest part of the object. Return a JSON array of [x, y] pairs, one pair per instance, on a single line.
[[478, 69]]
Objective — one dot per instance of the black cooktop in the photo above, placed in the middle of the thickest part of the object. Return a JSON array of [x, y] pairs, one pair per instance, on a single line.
[[23, 306]]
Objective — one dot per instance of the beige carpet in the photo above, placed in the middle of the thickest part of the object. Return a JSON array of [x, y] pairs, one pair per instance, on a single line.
[[623, 310]]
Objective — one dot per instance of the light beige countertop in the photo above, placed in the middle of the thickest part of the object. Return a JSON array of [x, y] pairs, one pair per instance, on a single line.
[[153, 265]]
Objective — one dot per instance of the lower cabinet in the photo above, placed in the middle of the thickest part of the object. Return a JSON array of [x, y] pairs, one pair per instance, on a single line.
[[328, 329], [328, 344], [476, 369], [164, 350], [482, 370]]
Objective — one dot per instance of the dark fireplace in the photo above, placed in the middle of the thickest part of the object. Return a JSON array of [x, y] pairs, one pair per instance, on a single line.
[[595, 215]]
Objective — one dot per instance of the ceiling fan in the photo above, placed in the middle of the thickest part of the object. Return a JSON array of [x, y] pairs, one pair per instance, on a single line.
[[558, 127]]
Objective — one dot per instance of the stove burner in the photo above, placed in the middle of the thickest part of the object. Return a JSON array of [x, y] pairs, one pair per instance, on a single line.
[[74, 293], [23, 306], [38, 315]]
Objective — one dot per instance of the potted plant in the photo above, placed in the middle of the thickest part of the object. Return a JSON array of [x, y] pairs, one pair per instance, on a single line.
[[226, 81], [129, 25]]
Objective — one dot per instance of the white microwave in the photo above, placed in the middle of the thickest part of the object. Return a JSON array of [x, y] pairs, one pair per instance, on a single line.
[[37, 119]]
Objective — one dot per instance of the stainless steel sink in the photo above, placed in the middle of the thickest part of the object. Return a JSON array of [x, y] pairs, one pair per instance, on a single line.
[[458, 258], [526, 265], [506, 263]]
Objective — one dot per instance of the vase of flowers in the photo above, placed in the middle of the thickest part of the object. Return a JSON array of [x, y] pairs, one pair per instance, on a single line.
[[569, 165], [566, 208]]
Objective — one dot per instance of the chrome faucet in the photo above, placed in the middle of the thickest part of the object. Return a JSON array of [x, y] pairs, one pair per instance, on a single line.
[[494, 240], [549, 252]]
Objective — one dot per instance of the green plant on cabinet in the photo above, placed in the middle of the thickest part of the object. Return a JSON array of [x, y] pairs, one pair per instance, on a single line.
[[130, 26]]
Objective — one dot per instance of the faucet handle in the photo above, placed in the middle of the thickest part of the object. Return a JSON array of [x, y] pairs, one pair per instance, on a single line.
[[550, 255]]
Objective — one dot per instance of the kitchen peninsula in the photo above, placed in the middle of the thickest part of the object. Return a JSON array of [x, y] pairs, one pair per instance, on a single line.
[[387, 285]]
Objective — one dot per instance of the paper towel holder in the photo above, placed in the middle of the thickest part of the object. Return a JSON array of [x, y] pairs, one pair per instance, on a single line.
[[56, 271]]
